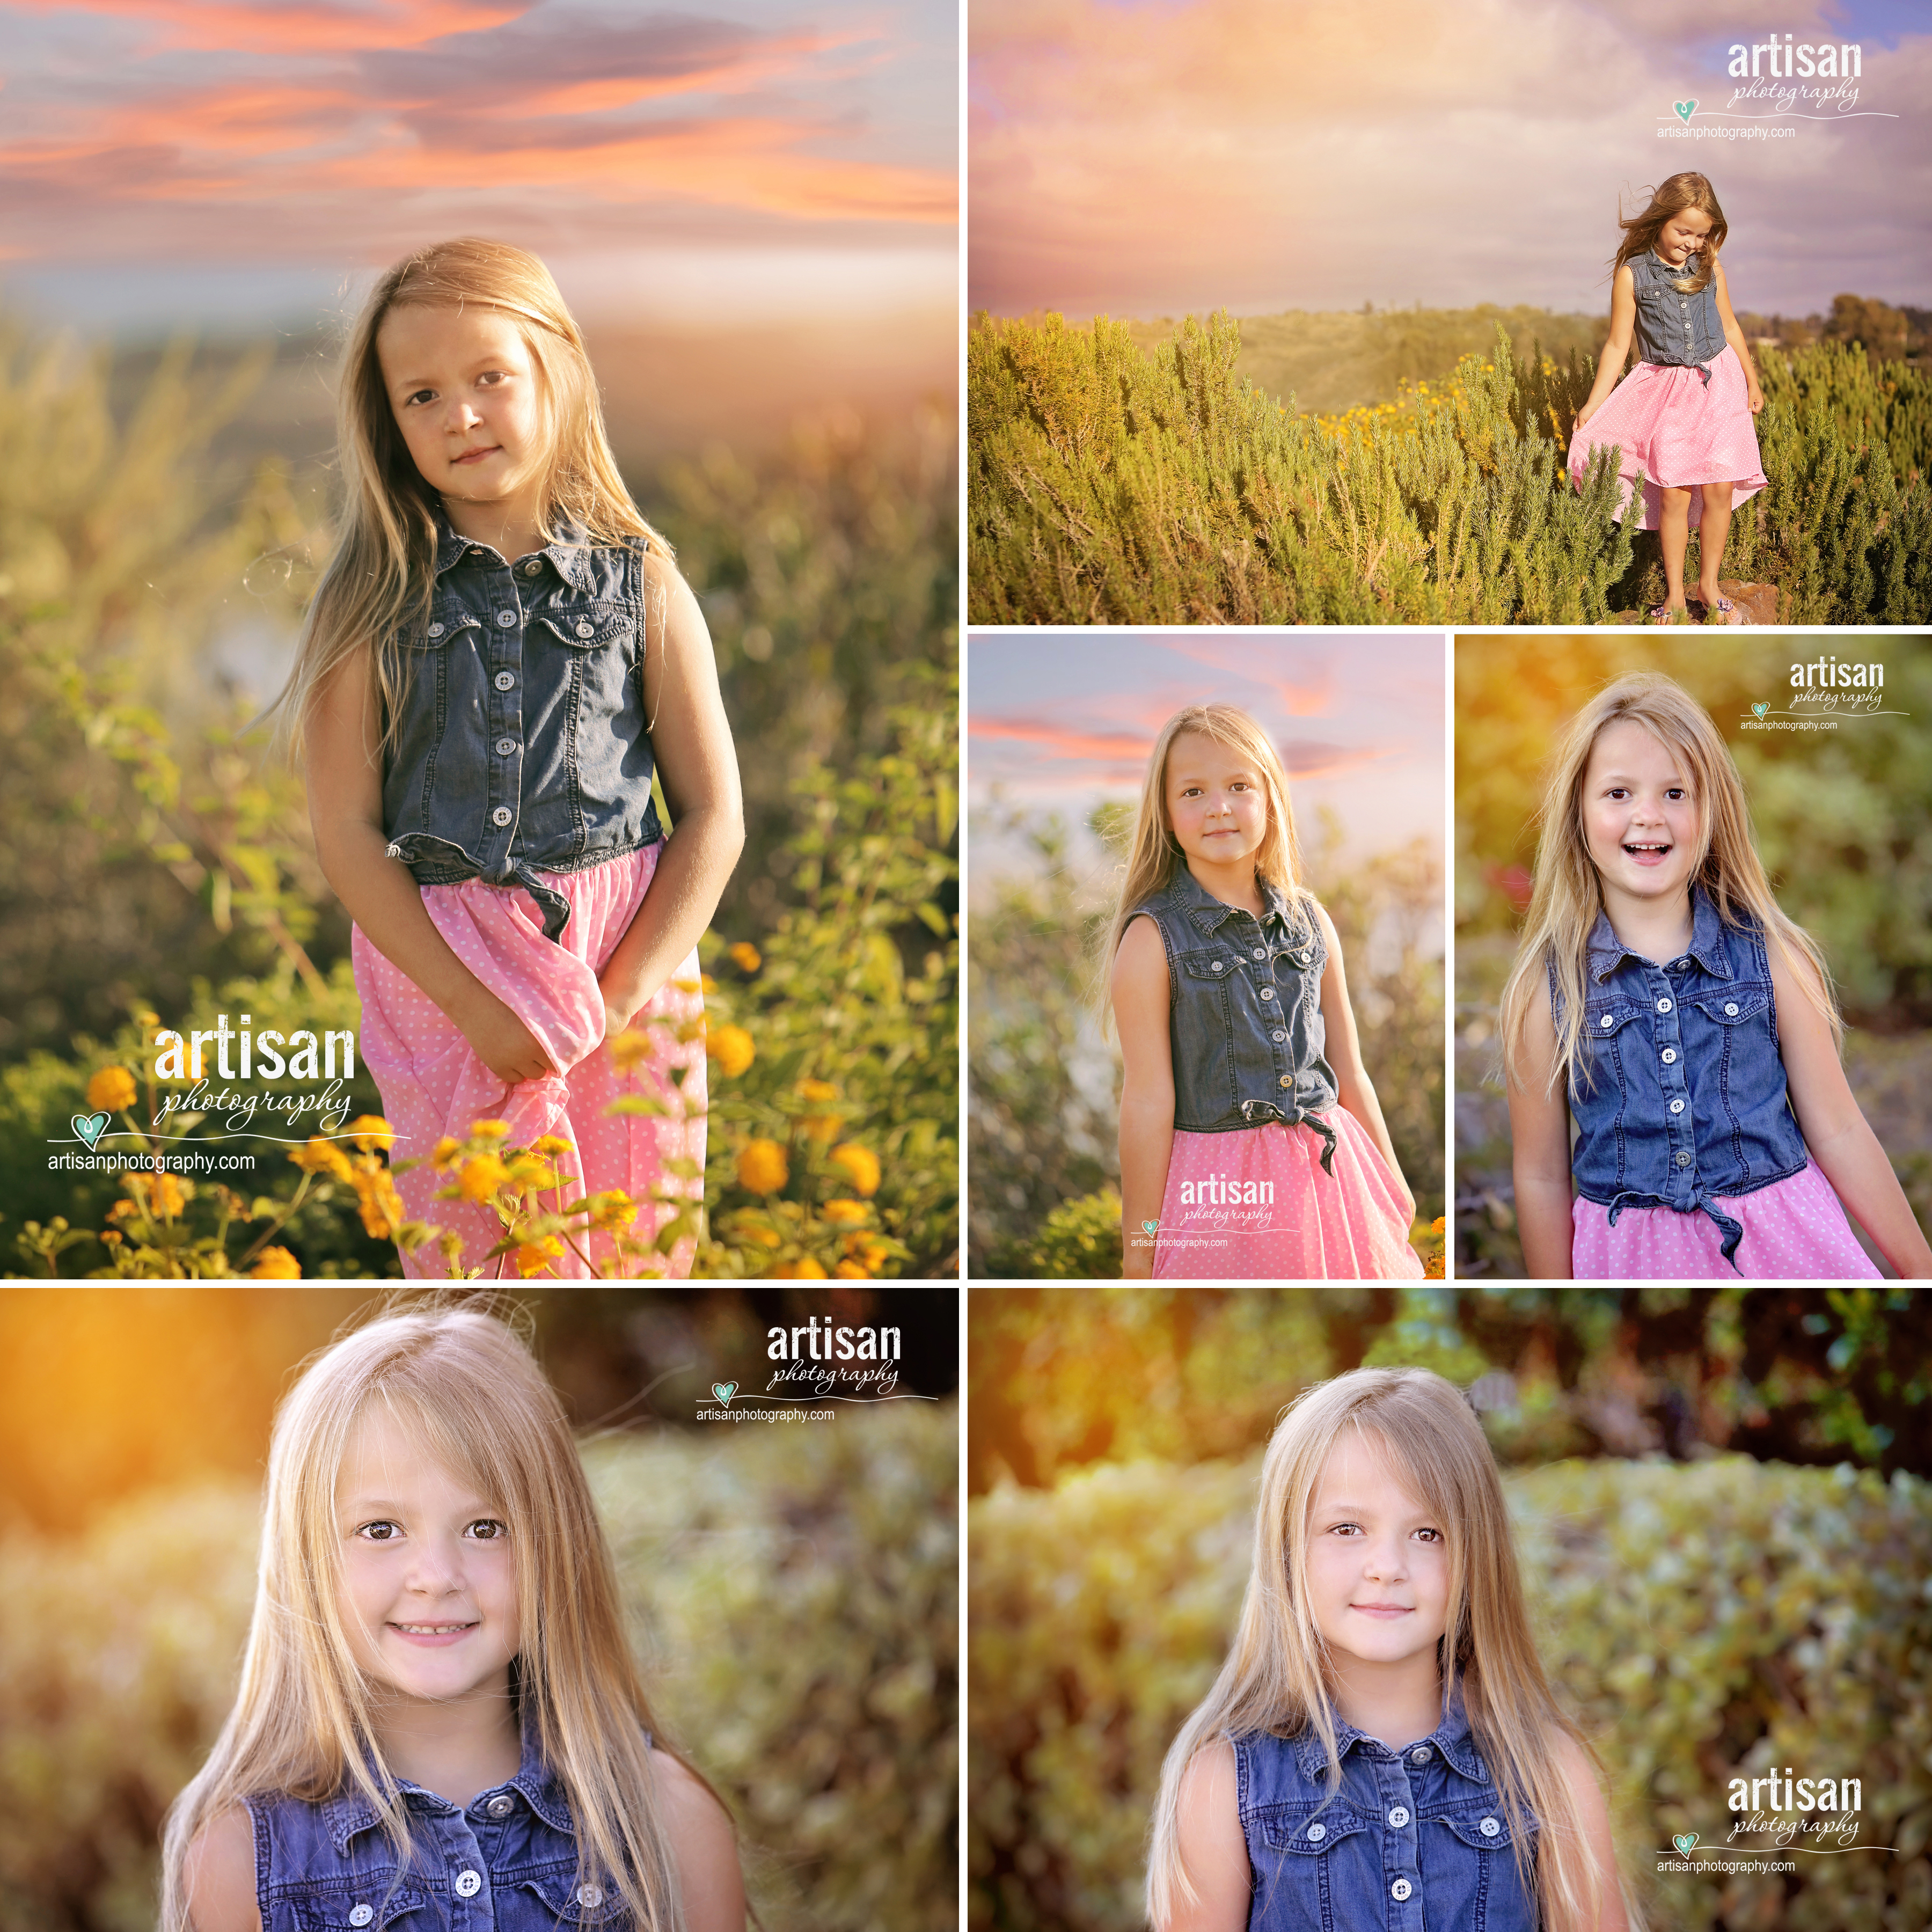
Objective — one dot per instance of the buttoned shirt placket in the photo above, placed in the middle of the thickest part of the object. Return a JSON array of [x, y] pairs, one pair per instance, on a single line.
[[472, 1901], [503, 657], [1402, 1852]]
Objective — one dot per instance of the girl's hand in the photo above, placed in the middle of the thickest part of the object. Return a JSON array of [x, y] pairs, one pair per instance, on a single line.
[[1756, 394], [501, 1040], [1584, 415], [622, 1004], [1137, 1259]]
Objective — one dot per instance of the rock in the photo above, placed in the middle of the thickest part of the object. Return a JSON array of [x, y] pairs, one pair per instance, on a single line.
[[1756, 604]]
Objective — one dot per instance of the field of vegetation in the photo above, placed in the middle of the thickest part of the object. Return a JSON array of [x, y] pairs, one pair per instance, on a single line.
[[155, 547], [1113, 482]]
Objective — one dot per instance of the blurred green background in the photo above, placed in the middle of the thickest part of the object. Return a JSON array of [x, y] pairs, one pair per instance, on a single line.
[[164, 514], [794, 1601], [1843, 820], [1722, 1509]]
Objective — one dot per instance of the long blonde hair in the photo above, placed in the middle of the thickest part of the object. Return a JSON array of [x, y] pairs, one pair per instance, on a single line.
[[1276, 1680], [1568, 893], [382, 570], [1154, 852], [1641, 230], [468, 1389]]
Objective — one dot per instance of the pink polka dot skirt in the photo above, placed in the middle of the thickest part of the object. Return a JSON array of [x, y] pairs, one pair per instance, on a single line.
[[1795, 1230], [1255, 1205], [433, 1083]]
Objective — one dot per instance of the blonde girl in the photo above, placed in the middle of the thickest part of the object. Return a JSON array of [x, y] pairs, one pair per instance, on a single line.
[[439, 1721], [1382, 1746], [1682, 420], [500, 658], [1252, 1144], [1663, 1003]]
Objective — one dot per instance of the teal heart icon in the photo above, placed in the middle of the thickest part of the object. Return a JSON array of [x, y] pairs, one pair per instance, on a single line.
[[725, 1391], [1759, 710], [90, 1127], [1152, 1227], [1684, 1841], [1685, 109]]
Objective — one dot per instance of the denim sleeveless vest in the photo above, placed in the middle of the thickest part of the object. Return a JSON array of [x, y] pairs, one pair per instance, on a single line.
[[1244, 1021], [506, 1861], [1684, 1096], [1416, 1840], [521, 739], [1677, 330]]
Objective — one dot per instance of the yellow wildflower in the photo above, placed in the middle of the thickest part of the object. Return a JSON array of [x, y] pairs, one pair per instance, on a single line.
[[745, 955], [160, 1194], [489, 1130], [534, 1256], [275, 1264], [706, 984], [382, 1209], [820, 1126], [111, 1090], [527, 1171], [445, 1151], [321, 1156], [861, 1163], [552, 1144], [763, 1168], [845, 1211], [804, 1269], [851, 1271], [874, 1256], [370, 1131], [615, 1209], [628, 1048], [732, 1048], [481, 1176]]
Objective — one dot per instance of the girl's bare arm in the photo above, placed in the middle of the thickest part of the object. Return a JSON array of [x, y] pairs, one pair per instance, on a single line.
[[1836, 1131], [1353, 1086], [1735, 335], [1616, 345], [1539, 1136], [345, 809], [1141, 1007], [218, 1876], [1213, 1849], [709, 1880], [697, 765], [1574, 1762]]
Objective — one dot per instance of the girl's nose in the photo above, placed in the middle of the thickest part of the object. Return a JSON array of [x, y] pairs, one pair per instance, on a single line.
[[438, 1569]]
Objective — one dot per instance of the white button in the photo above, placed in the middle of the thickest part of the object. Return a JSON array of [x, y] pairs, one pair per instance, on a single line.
[[1731, 1007], [501, 816], [1267, 992], [1664, 1006], [1260, 952], [361, 1914], [1677, 1106], [1607, 1019], [531, 568], [436, 630], [1317, 1832], [468, 1884], [501, 1806], [505, 746], [585, 629], [1279, 1033], [504, 680], [589, 1894], [1488, 1828], [1670, 1056], [506, 618], [1421, 1755], [1400, 1890], [1398, 1816], [1218, 965]]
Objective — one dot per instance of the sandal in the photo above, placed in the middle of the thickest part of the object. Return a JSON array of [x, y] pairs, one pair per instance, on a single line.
[[1720, 610], [1668, 613]]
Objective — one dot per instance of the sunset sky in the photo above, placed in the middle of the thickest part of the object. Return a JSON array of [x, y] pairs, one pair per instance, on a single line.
[[1144, 157], [752, 160], [1060, 722]]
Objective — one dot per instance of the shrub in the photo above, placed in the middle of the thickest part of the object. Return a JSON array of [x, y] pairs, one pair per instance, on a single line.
[[1702, 1622], [795, 1600]]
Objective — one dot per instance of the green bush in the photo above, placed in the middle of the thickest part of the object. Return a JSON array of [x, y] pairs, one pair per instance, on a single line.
[[794, 1593], [1702, 1622], [1108, 484]]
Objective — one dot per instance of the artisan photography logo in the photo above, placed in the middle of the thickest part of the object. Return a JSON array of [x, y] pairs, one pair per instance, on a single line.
[[1769, 86], [1821, 695], [819, 1363], [1776, 1812]]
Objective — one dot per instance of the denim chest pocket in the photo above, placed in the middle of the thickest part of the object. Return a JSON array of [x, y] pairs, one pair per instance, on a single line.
[[1605, 1018], [1484, 1831], [447, 622], [1311, 1836], [589, 626], [564, 1901], [370, 1906], [1734, 1006]]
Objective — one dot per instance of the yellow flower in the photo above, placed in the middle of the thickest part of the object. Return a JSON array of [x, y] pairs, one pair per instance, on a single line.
[[628, 1048], [527, 1171], [804, 1269], [763, 1168], [851, 1271], [745, 955], [820, 1126], [763, 1237], [533, 1256], [322, 1156], [845, 1211], [731, 1047], [370, 1131], [275, 1264], [382, 1209], [489, 1130], [481, 1176], [874, 1256], [112, 1089], [615, 1209], [160, 1194], [446, 1151], [552, 1144], [706, 984], [861, 1163]]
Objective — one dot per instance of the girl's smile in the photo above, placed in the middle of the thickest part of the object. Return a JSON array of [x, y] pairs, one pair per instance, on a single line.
[[1215, 800], [1639, 812], [1682, 235]]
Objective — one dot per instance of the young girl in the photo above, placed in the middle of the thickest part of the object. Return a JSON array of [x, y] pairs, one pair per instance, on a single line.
[[1682, 417], [500, 654], [439, 1723], [1692, 1024], [1382, 1746], [1236, 1161]]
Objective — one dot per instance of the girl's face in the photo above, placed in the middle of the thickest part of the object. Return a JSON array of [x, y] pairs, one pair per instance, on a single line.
[[466, 396], [1216, 801], [1683, 234], [429, 1581], [1378, 1561], [1640, 813]]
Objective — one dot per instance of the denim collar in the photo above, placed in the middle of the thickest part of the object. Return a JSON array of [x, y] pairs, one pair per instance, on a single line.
[[349, 1810], [1208, 912], [1452, 1738], [567, 552], [1607, 952]]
